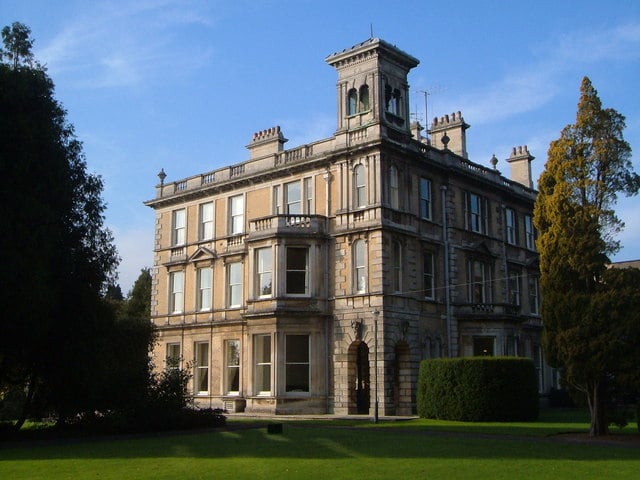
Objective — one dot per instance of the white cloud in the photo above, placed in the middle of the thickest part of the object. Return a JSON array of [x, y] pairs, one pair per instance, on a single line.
[[621, 42], [127, 45], [539, 81], [514, 94]]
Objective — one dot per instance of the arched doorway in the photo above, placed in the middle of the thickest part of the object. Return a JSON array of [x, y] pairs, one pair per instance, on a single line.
[[402, 391], [359, 379]]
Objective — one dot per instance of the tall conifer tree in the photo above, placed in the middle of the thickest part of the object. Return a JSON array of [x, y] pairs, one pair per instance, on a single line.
[[587, 167], [57, 256]]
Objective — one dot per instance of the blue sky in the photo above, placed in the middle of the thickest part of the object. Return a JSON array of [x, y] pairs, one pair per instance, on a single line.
[[183, 84]]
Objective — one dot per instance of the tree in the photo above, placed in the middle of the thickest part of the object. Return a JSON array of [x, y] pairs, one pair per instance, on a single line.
[[57, 256], [114, 293], [587, 167], [133, 337], [18, 44], [138, 303]]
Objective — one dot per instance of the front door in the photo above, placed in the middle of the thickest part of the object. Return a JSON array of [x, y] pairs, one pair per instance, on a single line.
[[363, 390]]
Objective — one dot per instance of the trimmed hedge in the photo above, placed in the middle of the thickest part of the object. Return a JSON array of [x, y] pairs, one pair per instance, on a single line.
[[477, 389]]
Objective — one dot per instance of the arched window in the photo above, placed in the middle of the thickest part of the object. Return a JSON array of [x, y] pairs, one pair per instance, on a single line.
[[364, 98], [359, 267], [393, 187], [359, 186], [388, 97], [352, 102], [395, 104], [392, 100]]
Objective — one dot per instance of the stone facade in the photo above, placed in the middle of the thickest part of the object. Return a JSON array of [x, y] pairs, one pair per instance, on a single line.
[[315, 279]]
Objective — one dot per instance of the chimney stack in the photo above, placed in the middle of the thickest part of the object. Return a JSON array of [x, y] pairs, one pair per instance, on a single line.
[[520, 161], [452, 127], [266, 142]]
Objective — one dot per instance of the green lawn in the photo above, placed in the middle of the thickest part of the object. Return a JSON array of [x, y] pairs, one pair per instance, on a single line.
[[331, 450]]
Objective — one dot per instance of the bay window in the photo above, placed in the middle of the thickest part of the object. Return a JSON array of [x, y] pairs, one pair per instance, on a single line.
[[297, 363], [262, 364], [232, 367], [297, 271], [264, 272], [201, 373]]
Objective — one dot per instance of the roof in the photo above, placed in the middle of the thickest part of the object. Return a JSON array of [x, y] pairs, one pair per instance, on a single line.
[[392, 52], [626, 264]]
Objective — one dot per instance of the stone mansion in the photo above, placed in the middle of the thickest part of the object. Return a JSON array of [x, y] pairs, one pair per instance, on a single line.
[[315, 279]]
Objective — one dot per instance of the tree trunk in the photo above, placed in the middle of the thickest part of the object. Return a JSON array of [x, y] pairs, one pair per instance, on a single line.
[[26, 406], [596, 398]]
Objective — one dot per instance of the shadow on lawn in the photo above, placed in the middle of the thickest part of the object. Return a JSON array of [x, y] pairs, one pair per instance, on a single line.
[[317, 442]]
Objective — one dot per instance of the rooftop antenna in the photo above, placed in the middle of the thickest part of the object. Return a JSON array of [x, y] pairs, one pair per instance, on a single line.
[[426, 93], [371, 30]]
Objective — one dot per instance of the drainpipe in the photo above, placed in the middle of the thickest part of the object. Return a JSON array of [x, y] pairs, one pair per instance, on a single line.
[[327, 346], [447, 280], [327, 204], [328, 362], [505, 266], [209, 360]]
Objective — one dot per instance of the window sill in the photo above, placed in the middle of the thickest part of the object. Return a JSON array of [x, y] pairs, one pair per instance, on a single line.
[[297, 394], [358, 114]]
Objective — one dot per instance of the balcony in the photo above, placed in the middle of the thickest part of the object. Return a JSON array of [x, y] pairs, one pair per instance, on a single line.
[[177, 255], [311, 225], [235, 243]]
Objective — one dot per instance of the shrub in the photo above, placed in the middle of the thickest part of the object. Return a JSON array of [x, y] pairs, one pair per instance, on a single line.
[[167, 406], [478, 389], [620, 415], [168, 389]]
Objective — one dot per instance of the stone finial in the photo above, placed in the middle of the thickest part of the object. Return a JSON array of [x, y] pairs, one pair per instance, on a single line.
[[445, 140]]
